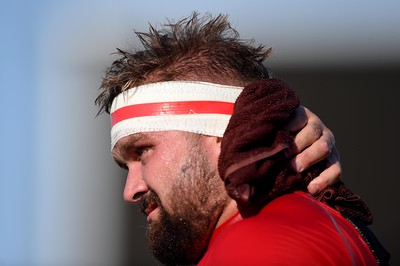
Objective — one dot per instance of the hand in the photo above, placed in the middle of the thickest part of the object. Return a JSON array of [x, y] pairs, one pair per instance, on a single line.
[[313, 143]]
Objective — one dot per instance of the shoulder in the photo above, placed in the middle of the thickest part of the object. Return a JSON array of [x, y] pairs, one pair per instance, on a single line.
[[291, 230], [266, 237]]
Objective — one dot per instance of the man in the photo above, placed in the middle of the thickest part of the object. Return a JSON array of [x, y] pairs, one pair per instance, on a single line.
[[170, 105]]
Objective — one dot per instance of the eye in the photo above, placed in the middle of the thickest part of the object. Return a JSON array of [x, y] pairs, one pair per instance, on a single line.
[[141, 153]]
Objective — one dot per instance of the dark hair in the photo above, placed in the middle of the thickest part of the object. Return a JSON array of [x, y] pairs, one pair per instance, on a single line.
[[194, 48]]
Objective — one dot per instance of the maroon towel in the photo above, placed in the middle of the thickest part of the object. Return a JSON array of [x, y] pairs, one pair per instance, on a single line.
[[252, 162]]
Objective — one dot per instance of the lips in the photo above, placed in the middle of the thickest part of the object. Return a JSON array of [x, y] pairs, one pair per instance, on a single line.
[[150, 206], [153, 214], [151, 211]]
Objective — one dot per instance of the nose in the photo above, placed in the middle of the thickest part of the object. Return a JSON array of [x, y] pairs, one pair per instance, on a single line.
[[135, 186]]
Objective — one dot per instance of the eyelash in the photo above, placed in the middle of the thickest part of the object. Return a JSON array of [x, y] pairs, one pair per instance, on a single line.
[[140, 151]]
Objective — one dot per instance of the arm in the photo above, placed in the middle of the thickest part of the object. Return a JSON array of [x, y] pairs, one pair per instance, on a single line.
[[313, 143]]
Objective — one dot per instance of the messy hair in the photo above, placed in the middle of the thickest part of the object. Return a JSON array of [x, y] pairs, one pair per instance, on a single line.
[[194, 48]]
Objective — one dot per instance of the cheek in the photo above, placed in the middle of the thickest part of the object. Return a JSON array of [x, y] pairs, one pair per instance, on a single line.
[[162, 170], [170, 159]]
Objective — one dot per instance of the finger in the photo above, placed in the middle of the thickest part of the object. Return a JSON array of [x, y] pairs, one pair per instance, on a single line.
[[319, 149], [313, 130], [306, 137], [330, 176], [298, 120]]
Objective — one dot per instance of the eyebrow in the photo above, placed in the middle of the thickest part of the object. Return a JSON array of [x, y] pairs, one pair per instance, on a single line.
[[120, 164]]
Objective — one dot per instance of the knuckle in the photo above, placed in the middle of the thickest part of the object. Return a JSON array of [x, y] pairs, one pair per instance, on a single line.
[[316, 131], [324, 148]]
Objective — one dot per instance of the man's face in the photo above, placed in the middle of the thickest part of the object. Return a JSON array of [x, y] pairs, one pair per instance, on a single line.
[[174, 177]]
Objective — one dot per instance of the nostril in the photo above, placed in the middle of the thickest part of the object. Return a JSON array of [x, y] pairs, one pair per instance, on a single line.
[[138, 196]]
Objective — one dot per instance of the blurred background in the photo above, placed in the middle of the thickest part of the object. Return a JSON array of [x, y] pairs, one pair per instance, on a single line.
[[60, 192]]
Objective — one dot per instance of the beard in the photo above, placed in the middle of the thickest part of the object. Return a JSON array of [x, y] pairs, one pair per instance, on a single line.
[[197, 199]]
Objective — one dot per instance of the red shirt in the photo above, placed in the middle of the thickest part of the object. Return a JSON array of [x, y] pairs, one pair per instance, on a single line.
[[294, 229]]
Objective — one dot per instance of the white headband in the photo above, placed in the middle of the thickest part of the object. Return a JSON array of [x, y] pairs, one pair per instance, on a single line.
[[198, 107]]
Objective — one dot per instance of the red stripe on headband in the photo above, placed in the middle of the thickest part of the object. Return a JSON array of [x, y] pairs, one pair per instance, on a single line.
[[171, 108]]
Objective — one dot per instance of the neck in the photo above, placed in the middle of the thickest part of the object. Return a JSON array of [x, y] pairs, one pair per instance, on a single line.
[[230, 210]]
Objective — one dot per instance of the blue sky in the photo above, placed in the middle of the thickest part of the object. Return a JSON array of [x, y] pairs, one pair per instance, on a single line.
[[53, 55]]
